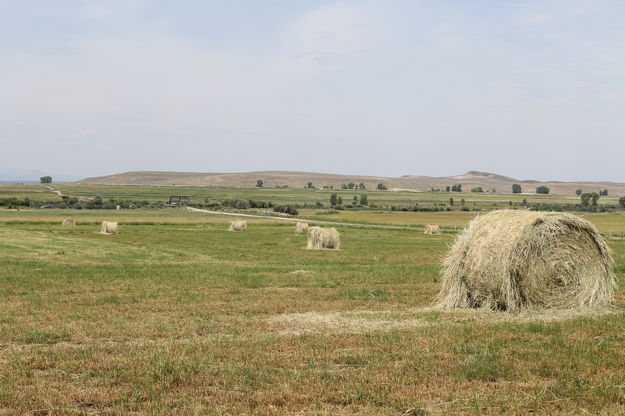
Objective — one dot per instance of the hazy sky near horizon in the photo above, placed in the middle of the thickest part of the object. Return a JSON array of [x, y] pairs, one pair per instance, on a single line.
[[529, 89]]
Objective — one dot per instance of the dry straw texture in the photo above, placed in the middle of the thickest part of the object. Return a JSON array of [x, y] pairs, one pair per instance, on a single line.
[[68, 222], [237, 225], [301, 227], [510, 260], [320, 238], [109, 227], [432, 229]]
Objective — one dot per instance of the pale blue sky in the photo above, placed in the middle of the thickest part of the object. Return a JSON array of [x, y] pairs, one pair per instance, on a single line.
[[529, 89]]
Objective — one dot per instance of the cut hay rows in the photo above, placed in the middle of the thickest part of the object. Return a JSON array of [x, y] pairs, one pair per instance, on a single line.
[[237, 225], [510, 260], [301, 227], [432, 229], [68, 222], [320, 238], [109, 228]]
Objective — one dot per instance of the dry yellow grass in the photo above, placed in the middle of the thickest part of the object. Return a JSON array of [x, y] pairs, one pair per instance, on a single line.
[[109, 227], [68, 222], [323, 238], [237, 225], [516, 259], [301, 227], [432, 229]]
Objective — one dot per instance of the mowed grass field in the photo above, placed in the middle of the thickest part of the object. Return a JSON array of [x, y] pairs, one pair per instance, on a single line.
[[176, 315]]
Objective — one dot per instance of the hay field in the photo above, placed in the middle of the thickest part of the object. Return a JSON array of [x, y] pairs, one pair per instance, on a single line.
[[198, 194], [178, 315]]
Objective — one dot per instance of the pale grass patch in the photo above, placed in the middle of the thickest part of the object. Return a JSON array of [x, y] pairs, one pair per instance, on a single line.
[[302, 272], [389, 320]]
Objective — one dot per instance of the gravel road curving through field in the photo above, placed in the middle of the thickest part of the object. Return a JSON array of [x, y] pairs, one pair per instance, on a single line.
[[342, 224]]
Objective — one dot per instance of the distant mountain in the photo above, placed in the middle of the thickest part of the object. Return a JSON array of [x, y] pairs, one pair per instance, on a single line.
[[488, 181]]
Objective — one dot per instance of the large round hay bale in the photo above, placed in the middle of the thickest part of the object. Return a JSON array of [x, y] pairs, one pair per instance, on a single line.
[[320, 238], [109, 227], [510, 260], [301, 227], [237, 225], [432, 229], [68, 222]]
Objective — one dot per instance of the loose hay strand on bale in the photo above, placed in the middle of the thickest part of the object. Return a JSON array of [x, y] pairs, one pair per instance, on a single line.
[[237, 225], [510, 260], [109, 227], [301, 227], [432, 229], [68, 222], [320, 238]]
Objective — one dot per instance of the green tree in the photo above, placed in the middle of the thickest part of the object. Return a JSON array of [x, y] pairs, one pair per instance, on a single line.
[[355, 200], [589, 199], [477, 189], [451, 202], [364, 200], [259, 183], [516, 188], [46, 179], [309, 185], [578, 192], [603, 193], [621, 201], [333, 199], [361, 186], [339, 201], [457, 188], [462, 202], [382, 187], [447, 188], [542, 190]]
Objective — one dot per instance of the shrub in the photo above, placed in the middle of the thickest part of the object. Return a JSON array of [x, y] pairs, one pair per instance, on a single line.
[[589, 199], [235, 203], [333, 199], [477, 189], [286, 209]]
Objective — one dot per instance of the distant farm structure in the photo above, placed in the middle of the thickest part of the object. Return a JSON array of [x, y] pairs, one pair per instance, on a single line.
[[178, 200]]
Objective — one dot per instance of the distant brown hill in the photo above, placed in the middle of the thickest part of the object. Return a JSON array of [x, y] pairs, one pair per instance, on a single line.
[[488, 181]]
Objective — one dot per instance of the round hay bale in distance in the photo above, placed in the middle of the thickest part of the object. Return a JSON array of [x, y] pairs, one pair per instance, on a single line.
[[68, 222], [109, 227], [237, 225], [511, 260], [301, 227], [323, 238], [432, 229]]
